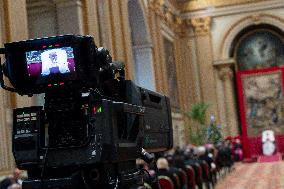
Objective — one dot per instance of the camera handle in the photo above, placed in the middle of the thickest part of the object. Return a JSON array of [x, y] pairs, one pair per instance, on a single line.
[[147, 157], [150, 159], [2, 82]]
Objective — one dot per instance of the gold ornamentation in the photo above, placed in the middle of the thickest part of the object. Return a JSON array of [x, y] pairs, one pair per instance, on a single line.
[[201, 25], [168, 15]]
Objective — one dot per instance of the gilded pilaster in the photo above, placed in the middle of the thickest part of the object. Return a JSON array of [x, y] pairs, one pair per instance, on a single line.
[[226, 75], [16, 29], [166, 22], [155, 31], [185, 81], [91, 20], [127, 43], [113, 21], [7, 161], [181, 75], [202, 33], [160, 13]]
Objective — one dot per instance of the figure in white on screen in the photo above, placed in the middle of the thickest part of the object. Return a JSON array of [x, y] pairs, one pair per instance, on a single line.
[[54, 61]]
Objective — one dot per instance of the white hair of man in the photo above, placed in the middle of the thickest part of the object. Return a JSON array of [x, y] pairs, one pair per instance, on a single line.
[[162, 163]]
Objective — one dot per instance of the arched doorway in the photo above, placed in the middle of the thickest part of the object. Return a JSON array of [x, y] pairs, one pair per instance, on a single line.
[[141, 46], [259, 54]]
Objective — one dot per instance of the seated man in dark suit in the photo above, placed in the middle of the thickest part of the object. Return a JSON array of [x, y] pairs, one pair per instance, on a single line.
[[164, 170]]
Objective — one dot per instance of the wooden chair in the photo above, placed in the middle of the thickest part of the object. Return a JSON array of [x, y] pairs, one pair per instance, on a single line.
[[165, 182]]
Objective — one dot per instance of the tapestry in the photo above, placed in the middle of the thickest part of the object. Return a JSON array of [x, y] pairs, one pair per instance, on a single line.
[[263, 101]]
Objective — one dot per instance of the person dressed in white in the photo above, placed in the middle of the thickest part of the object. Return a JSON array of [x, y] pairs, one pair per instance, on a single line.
[[54, 61], [268, 142]]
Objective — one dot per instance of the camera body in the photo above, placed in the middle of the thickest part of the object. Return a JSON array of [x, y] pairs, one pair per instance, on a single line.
[[92, 117], [91, 130]]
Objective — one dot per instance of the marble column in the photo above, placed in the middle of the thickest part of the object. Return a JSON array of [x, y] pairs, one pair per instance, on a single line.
[[226, 75]]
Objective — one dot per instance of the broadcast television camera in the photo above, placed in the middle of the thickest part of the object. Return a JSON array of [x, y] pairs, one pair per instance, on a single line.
[[94, 123]]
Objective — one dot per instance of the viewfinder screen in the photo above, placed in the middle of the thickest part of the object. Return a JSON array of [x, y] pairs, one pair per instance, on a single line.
[[50, 61]]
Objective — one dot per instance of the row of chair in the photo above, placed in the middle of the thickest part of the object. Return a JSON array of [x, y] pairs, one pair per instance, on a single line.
[[193, 176], [193, 171]]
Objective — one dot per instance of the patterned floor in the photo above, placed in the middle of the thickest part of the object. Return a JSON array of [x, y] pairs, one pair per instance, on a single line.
[[255, 176]]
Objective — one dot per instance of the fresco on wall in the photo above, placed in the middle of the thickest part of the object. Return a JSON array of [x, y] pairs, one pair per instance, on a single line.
[[260, 49], [171, 72], [263, 97]]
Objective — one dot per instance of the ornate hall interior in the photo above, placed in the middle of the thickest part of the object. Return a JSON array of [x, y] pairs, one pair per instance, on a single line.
[[225, 54]]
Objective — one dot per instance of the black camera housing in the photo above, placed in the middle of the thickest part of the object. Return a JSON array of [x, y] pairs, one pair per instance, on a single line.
[[93, 120]]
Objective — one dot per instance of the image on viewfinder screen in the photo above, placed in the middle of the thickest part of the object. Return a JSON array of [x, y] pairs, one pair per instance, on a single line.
[[50, 61]]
